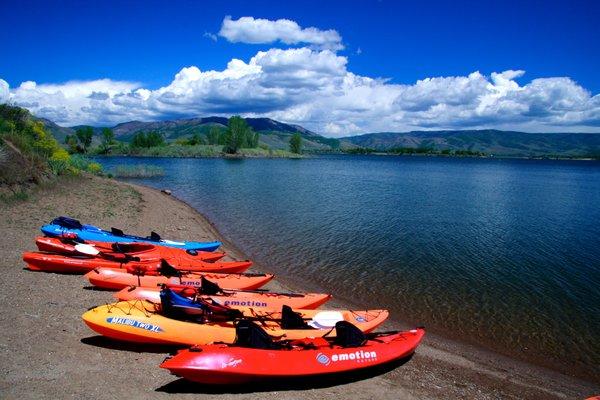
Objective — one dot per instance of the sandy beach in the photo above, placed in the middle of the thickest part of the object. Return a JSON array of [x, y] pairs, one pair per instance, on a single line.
[[48, 351]]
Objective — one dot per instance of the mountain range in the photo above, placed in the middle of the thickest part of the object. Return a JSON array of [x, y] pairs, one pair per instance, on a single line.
[[276, 135]]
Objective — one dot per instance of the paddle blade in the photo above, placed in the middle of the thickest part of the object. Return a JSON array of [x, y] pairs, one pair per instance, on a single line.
[[87, 249]]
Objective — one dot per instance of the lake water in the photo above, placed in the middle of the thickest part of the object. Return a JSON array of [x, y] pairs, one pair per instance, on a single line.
[[505, 253]]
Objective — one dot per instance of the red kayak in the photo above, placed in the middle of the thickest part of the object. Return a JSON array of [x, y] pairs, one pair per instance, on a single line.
[[256, 357], [81, 264], [140, 250]]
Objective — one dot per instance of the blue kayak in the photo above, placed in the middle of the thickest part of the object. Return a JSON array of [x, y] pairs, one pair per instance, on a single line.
[[65, 225]]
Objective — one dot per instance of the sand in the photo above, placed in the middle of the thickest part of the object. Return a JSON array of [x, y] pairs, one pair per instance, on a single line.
[[48, 352]]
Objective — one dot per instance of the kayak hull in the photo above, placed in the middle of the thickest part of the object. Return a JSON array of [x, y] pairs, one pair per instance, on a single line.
[[80, 264], [139, 321], [220, 364], [262, 300], [117, 279]]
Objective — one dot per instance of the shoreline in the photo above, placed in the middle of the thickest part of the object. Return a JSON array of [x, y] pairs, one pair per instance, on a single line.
[[49, 350], [439, 342]]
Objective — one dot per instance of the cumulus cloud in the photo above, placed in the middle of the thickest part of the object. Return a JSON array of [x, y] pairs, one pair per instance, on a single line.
[[313, 87], [258, 30], [4, 91], [74, 102]]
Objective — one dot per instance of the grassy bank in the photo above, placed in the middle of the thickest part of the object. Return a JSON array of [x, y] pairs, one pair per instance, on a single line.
[[31, 156]]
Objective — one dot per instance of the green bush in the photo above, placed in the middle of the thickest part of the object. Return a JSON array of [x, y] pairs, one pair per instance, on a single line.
[[94, 168], [32, 153], [82, 163], [58, 167]]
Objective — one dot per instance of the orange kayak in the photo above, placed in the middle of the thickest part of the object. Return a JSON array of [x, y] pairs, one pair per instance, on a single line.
[[117, 279], [78, 264], [232, 298], [140, 322], [142, 251], [263, 360]]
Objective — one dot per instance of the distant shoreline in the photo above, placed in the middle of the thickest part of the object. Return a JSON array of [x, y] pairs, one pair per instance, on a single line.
[[380, 154]]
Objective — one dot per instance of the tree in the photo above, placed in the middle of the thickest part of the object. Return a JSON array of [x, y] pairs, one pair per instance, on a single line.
[[296, 143], [255, 139], [154, 139], [236, 135], [108, 138], [84, 135], [139, 140], [223, 138], [195, 139], [150, 139], [71, 142], [213, 135]]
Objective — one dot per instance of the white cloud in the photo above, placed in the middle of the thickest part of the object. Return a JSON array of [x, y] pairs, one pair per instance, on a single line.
[[75, 102], [314, 88], [211, 36], [4, 91], [258, 30]]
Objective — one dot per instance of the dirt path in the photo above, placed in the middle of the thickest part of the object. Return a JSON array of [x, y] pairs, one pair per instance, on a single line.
[[48, 352]]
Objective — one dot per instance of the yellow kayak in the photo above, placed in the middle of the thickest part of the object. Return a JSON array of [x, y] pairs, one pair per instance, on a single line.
[[141, 321]]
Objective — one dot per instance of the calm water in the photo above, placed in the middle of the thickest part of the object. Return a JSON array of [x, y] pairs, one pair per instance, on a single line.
[[501, 252]]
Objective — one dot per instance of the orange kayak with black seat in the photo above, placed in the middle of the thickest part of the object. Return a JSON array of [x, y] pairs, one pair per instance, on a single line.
[[142, 322], [79, 264], [255, 357], [140, 250], [117, 279], [232, 298]]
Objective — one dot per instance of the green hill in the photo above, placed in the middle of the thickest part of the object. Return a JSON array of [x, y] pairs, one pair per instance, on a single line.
[[492, 142]]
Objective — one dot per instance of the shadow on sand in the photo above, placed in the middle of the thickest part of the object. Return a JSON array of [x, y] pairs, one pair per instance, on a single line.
[[97, 289], [107, 343], [304, 383]]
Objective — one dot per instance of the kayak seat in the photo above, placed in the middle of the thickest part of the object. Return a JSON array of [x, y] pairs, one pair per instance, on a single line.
[[67, 222], [120, 257], [155, 237], [209, 288], [131, 247], [117, 232], [167, 269], [348, 335], [249, 334], [175, 306], [292, 320]]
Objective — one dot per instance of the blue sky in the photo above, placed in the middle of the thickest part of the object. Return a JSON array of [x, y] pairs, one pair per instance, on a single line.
[[383, 48]]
